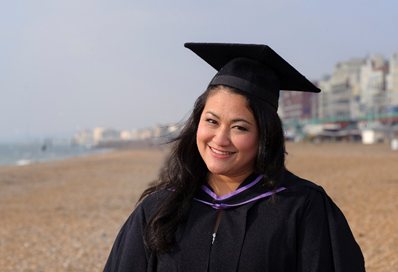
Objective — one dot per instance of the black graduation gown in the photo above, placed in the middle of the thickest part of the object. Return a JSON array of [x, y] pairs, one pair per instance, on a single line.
[[297, 228]]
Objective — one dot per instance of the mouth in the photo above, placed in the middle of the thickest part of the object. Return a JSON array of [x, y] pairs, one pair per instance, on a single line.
[[221, 152]]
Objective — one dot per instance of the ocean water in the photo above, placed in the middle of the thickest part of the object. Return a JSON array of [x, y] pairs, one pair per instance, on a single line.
[[33, 152]]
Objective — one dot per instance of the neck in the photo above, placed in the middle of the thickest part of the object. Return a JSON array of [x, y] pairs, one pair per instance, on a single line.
[[223, 185]]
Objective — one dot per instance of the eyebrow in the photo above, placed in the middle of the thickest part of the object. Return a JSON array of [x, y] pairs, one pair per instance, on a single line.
[[233, 120]]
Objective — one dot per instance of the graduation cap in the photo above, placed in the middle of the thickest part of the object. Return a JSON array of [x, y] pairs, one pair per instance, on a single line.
[[252, 68]]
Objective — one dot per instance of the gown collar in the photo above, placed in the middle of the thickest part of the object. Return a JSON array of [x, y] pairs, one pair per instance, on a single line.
[[252, 189]]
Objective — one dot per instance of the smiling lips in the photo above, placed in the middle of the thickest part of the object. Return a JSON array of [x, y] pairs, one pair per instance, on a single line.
[[220, 152]]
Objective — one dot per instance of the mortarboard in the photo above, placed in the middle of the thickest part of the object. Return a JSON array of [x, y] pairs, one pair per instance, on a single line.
[[252, 68]]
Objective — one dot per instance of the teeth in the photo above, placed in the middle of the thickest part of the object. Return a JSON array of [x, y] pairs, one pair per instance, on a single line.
[[221, 152]]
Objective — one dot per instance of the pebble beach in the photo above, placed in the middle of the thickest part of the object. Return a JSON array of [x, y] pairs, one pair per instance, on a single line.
[[64, 215]]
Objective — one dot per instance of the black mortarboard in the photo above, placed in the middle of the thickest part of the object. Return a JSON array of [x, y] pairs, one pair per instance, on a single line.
[[252, 68]]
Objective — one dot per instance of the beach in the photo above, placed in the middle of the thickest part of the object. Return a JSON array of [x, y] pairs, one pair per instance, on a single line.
[[64, 215]]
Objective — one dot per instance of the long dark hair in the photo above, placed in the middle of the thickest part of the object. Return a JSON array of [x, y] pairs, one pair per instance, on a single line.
[[184, 171]]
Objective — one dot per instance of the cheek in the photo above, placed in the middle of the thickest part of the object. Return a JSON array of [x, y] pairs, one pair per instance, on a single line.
[[248, 145], [202, 133], [201, 136]]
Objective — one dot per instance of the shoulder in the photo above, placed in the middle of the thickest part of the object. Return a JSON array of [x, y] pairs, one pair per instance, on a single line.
[[153, 201], [292, 181], [301, 187], [310, 199], [304, 196], [145, 209]]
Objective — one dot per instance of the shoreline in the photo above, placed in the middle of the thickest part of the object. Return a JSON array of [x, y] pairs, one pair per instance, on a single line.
[[30, 153]]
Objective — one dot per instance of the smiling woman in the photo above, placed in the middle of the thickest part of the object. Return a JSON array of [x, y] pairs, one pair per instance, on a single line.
[[224, 200]]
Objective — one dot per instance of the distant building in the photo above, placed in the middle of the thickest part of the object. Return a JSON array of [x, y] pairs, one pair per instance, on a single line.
[[84, 137], [340, 92], [392, 81], [298, 105], [144, 134], [103, 135], [373, 99], [127, 135]]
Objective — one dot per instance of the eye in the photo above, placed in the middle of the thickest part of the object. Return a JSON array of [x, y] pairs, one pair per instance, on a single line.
[[211, 121], [240, 128]]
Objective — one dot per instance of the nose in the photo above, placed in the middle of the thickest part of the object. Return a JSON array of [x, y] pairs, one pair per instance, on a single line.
[[222, 137]]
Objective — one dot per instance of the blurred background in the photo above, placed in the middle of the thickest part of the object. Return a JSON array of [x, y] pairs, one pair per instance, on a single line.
[[92, 77]]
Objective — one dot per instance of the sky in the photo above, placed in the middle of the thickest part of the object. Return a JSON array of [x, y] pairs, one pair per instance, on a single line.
[[69, 65]]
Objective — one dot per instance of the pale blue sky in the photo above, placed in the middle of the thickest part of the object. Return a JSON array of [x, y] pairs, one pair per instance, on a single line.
[[69, 65]]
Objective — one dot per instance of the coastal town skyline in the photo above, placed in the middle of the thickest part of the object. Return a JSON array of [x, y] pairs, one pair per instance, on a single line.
[[75, 65]]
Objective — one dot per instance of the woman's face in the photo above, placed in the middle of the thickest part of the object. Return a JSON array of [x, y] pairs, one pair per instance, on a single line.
[[227, 136]]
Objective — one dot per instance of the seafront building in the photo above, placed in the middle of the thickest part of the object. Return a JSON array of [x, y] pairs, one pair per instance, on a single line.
[[362, 88], [111, 137], [298, 105], [360, 93], [392, 83], [339, 99], [373, 99]]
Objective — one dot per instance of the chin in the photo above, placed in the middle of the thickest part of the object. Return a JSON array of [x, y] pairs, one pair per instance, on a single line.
[[218, 171]]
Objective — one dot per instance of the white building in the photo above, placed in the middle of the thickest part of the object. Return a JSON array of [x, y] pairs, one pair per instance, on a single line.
[[84, 137], [339, 96], [102, 135], [373, 86], [392, 81]]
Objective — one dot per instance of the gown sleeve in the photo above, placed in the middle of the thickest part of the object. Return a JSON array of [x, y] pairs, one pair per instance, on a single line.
[[325, 241], [128, 252]]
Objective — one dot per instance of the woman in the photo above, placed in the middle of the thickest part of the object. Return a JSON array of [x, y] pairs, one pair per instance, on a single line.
[[224, 200]]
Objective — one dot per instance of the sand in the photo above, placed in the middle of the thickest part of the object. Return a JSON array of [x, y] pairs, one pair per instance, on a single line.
[[64, 216]]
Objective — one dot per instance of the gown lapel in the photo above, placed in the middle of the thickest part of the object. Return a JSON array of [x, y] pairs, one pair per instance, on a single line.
[[223, 253]]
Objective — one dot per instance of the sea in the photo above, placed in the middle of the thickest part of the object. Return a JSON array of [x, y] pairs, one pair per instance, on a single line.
[[23, 153]]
